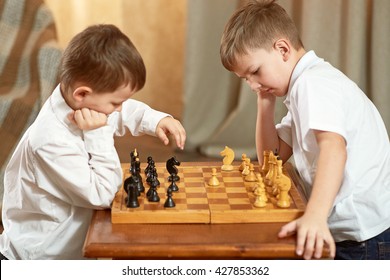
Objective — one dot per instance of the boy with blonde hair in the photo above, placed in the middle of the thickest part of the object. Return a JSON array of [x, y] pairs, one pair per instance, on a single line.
[[338, 139], [66, 165]]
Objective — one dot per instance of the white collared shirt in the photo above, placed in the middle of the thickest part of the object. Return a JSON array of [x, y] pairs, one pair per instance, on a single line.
[[320, 97], [58, 174]]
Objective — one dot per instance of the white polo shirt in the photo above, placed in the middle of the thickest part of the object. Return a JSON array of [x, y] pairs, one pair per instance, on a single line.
[[320, 97], [58, 174]]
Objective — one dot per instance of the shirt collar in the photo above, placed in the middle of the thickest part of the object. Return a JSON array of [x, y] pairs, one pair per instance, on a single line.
[[61, 109], [307, 60]]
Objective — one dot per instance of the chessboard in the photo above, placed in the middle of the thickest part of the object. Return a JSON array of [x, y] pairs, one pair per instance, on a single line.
[[197, 202]]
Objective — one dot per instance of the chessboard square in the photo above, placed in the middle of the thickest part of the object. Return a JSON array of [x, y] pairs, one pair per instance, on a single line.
[[151, 206], [233, 179], [235, 185], [219, 201], [164, 176], [198, 185], [180, 201], [179, 194], [193, 180], [197, 206], [232, 175], [180, 206], [237, 195], [195, 189], [216, 189], [233, 201], [241, 206], [236, 190], [197, 201], [161, 190], [196, 195], [193, 174], [219, 195], [219, 207], [163, 181]]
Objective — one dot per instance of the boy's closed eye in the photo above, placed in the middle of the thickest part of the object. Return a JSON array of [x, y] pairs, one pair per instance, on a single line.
[[256, 71]]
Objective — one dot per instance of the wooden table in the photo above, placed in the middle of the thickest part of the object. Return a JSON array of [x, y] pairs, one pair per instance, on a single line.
[[187, 241]]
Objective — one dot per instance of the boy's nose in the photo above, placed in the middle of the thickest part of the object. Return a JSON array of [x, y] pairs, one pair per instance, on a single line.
[[254, 86]]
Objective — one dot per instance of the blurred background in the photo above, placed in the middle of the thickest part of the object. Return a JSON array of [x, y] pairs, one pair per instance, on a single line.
[[179, 41]]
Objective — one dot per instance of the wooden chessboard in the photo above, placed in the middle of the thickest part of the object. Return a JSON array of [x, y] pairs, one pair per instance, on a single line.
[[197, 202]]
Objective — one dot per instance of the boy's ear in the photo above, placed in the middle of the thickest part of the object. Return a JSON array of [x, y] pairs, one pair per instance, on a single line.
[[283, 46], [81, 92]]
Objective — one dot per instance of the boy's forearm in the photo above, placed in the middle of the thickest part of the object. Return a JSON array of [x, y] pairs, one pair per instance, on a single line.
[[266, 134], [329, 176], [138, 117]]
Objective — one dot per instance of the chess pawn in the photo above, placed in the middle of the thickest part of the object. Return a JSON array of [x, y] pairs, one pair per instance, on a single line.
[[243, 159], [260, 201], [251, 177], [260, 185], [153, 197], [152, 177], [169, 203], [173, 186], [150, 162], [152, 194], [246, 170], [213, 180], [265, 166]]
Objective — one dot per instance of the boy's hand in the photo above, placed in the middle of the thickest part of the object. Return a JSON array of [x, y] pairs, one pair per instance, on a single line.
[[87, 119], [312, 235], [169, 125]]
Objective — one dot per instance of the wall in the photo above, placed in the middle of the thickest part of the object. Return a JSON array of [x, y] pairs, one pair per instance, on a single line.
[[157, 28]]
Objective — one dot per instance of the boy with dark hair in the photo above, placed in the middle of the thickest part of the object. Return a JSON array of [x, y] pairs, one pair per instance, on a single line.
[[66, 165]]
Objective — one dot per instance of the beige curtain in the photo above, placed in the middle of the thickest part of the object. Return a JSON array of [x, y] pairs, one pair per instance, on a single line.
[[220, 110]]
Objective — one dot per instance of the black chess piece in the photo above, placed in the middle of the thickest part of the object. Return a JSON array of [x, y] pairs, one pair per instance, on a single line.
[[137, 174], [153, 197], [149, 191], [152, 177], [126, 183], [173, 186], [132, 197], [150, 162], [169, 203], [152, 194], [172, 169], [133, 155]]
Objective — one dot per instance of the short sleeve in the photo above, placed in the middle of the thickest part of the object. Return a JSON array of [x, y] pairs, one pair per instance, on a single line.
[[284, 129]]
